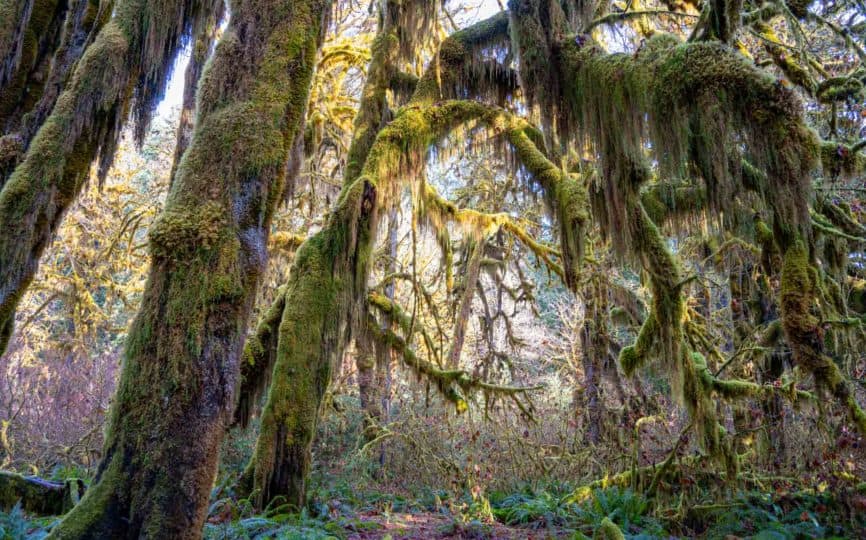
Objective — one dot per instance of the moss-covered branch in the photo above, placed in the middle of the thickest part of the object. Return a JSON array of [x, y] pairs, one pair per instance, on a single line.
[[805, 334], [453, 384], [257, 363]]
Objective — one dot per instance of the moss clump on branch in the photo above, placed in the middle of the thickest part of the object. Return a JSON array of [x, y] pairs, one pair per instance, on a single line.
[[842, 160]]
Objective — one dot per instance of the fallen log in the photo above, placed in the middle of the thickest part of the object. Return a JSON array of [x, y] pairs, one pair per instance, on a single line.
[[38, 496]]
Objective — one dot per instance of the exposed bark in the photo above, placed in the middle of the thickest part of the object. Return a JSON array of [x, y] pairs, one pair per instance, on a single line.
[[175, 395], [365, 363]]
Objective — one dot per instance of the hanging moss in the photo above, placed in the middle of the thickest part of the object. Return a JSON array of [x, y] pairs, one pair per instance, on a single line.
[[84, 19], [665, 202], [457, 71], [805, 335], [140, 37], [29, 50], [399, 149], [841, 160], [693, 101]]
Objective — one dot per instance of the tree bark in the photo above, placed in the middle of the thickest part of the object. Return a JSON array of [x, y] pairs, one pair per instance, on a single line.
[[175, 395]]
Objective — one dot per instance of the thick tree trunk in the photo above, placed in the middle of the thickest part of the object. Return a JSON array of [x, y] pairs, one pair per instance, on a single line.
[[329, 276], [314, 325], [306, 353], [175, 395], [368, 391]]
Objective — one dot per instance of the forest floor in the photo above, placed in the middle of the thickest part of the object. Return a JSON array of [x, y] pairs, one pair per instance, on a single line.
[[429, 525]]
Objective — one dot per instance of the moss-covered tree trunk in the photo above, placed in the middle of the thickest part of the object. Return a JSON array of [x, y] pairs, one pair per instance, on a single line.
[[326, 294], [314, 325], [175, 395]]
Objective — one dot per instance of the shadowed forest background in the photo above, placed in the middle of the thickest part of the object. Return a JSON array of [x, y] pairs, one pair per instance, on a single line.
[[432, 269]]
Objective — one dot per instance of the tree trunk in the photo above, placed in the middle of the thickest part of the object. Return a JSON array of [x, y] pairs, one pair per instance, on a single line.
[[175, 395], [314, 325], [592, 360], [329, 276], [474, 258]]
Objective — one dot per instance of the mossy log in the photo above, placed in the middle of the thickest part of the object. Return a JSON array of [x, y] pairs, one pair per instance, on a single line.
[[38, 496]]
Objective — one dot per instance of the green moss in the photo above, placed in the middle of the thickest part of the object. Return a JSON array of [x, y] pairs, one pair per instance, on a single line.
[[257, 362], [179, 234], [22, 85], [801, 325], [302, 373], [607, 530], [37, 495], [841, 161], [694, 101], [839, 89]]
